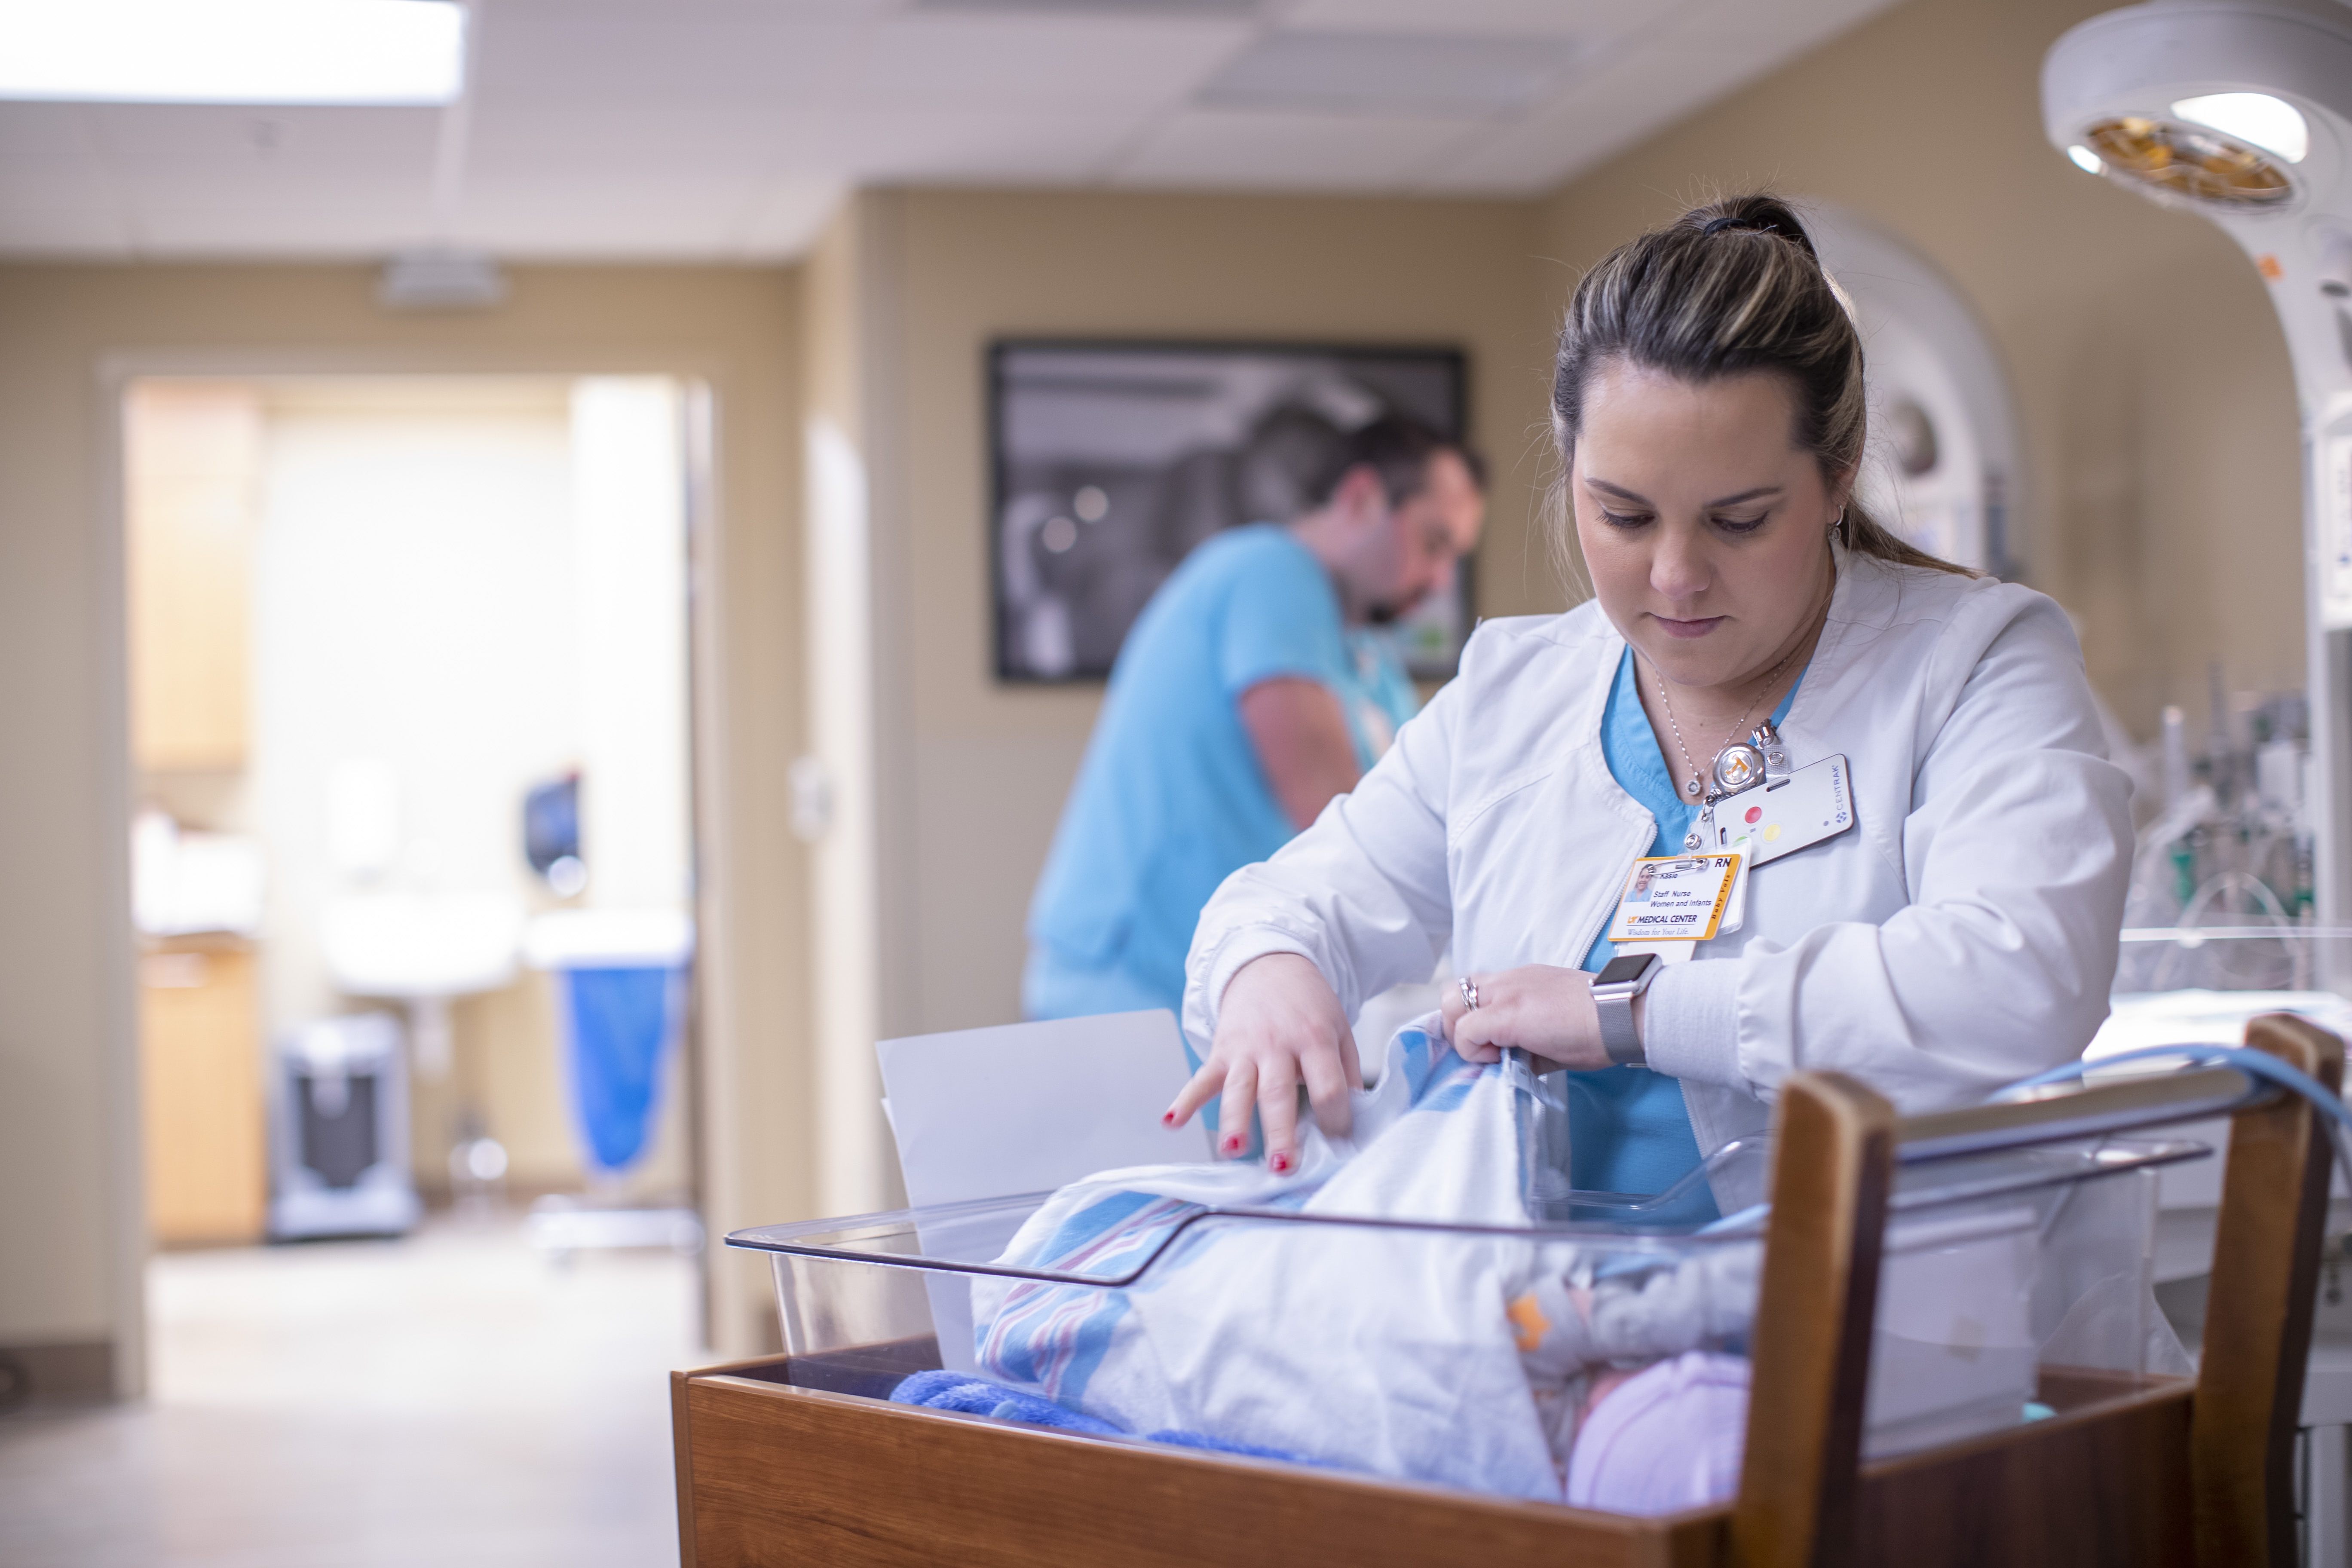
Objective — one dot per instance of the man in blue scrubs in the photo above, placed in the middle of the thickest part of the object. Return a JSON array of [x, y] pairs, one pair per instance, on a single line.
[[1254, 688]]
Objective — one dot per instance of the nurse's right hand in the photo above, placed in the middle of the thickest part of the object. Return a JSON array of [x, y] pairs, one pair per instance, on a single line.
[[1279, 1024]]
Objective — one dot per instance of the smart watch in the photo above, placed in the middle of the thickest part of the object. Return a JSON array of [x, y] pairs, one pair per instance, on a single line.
[[1623, 978]]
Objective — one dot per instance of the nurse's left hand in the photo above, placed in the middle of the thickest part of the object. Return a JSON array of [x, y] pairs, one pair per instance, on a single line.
[[1546, 1012]]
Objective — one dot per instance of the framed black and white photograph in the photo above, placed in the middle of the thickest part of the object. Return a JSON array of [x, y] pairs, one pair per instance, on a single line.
[[1114, 460]]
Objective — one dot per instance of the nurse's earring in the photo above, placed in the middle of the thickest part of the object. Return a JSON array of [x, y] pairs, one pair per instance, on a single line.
[[1837, 523]]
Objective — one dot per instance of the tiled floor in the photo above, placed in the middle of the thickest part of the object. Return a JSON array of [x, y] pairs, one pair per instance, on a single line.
[[449, 1400]]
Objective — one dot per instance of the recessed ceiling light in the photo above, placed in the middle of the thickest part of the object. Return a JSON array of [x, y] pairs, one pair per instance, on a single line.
[[1392, 73], [441, 280], [233, 51], [2084, 159]]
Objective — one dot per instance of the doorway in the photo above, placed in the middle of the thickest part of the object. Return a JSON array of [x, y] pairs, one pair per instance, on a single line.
[[414, 875]]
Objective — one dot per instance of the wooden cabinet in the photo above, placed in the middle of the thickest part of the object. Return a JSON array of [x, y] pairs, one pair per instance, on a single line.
[[202, 1101], [192, 484]]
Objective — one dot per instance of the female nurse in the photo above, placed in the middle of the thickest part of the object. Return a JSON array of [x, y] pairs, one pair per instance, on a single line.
[[1942, 915]]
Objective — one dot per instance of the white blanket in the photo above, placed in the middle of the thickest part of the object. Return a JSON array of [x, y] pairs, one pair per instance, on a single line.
[[1453, 1358]]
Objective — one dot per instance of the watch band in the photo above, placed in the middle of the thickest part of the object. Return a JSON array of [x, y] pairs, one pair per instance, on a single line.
[[1618, 1036]]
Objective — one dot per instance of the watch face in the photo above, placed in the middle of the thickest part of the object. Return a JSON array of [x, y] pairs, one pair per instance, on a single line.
[[1624, 969]]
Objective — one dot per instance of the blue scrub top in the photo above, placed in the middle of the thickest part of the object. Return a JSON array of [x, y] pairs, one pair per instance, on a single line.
[[1170, 799], [1628, 1131]]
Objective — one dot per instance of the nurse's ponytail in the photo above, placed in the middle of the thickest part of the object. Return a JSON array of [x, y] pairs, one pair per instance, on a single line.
[[1728, 288]]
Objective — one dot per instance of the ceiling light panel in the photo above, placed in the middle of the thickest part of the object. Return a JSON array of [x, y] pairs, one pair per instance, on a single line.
[[233, 51], [1392, 74]]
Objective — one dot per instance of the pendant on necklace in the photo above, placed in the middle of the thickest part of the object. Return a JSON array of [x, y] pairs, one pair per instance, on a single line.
[[1691, 787]]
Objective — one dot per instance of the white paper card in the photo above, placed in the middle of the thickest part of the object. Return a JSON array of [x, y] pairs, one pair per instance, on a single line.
[[1026, 1108]]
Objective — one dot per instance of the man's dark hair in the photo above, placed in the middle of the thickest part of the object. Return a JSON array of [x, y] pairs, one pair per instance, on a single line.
[[1398, 449]]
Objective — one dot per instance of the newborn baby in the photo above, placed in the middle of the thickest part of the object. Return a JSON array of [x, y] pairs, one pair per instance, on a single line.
[[1592, 1372]]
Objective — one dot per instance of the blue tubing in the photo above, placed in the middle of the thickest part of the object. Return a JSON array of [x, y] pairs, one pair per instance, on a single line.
[[2252, 1063]]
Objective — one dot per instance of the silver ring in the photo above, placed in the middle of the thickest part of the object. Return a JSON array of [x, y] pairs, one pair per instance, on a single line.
[[1469, 993]]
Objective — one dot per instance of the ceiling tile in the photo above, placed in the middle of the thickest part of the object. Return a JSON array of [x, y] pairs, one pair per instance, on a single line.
[[38, 228], [1785, 27], [910, 146], [619, 60], [1242, 148], [619, 220], [1706, 53], [47, 149], [1578, 19], [513, 143], [786, 217], [1601, 115], [176, 152], [1392, 75], [362, 224], [945, 60]]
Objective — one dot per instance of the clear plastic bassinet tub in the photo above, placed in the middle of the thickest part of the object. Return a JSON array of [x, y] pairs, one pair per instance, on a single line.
[[1501, 1359]]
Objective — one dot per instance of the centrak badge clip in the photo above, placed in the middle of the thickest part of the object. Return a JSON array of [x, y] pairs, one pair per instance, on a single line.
[[1761, 759], [1776, 755]]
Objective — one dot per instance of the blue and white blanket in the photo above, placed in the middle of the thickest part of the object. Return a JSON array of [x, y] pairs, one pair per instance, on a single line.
[[1453, 1358]]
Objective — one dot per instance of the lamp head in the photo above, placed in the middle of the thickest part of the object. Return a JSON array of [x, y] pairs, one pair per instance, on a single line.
[[2175, 157], [2233, 108]]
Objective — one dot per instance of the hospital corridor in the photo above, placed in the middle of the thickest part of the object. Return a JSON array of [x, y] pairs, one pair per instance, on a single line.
[[304, 1401], [1122, 782]]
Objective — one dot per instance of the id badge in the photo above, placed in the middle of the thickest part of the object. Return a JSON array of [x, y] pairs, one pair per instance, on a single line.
[[1761, 826], [1734, 908], [1674, 897]]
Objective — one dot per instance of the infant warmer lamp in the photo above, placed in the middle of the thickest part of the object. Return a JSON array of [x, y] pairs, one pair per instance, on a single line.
[[2242, 114]]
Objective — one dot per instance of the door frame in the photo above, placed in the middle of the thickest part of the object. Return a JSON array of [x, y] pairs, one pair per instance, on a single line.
[[712, 1035]]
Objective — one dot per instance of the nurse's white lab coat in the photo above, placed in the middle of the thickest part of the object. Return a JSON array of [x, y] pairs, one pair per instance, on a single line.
[[1961, 936]]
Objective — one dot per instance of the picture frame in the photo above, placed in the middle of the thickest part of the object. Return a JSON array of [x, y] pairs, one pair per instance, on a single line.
[[1112, 459]]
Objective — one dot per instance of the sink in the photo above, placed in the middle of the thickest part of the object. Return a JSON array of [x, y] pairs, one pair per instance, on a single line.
[[409, 945], [422, 949]]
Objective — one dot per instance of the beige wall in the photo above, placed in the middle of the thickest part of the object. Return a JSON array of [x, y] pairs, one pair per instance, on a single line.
[[991, 763], [965, 777], [850, 461], [68, 1221], [2151, 378]]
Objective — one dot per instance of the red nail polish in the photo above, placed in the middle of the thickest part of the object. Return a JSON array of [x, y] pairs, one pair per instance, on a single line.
[[1167, 1119], [1281, 1164], [1232, 1141]]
